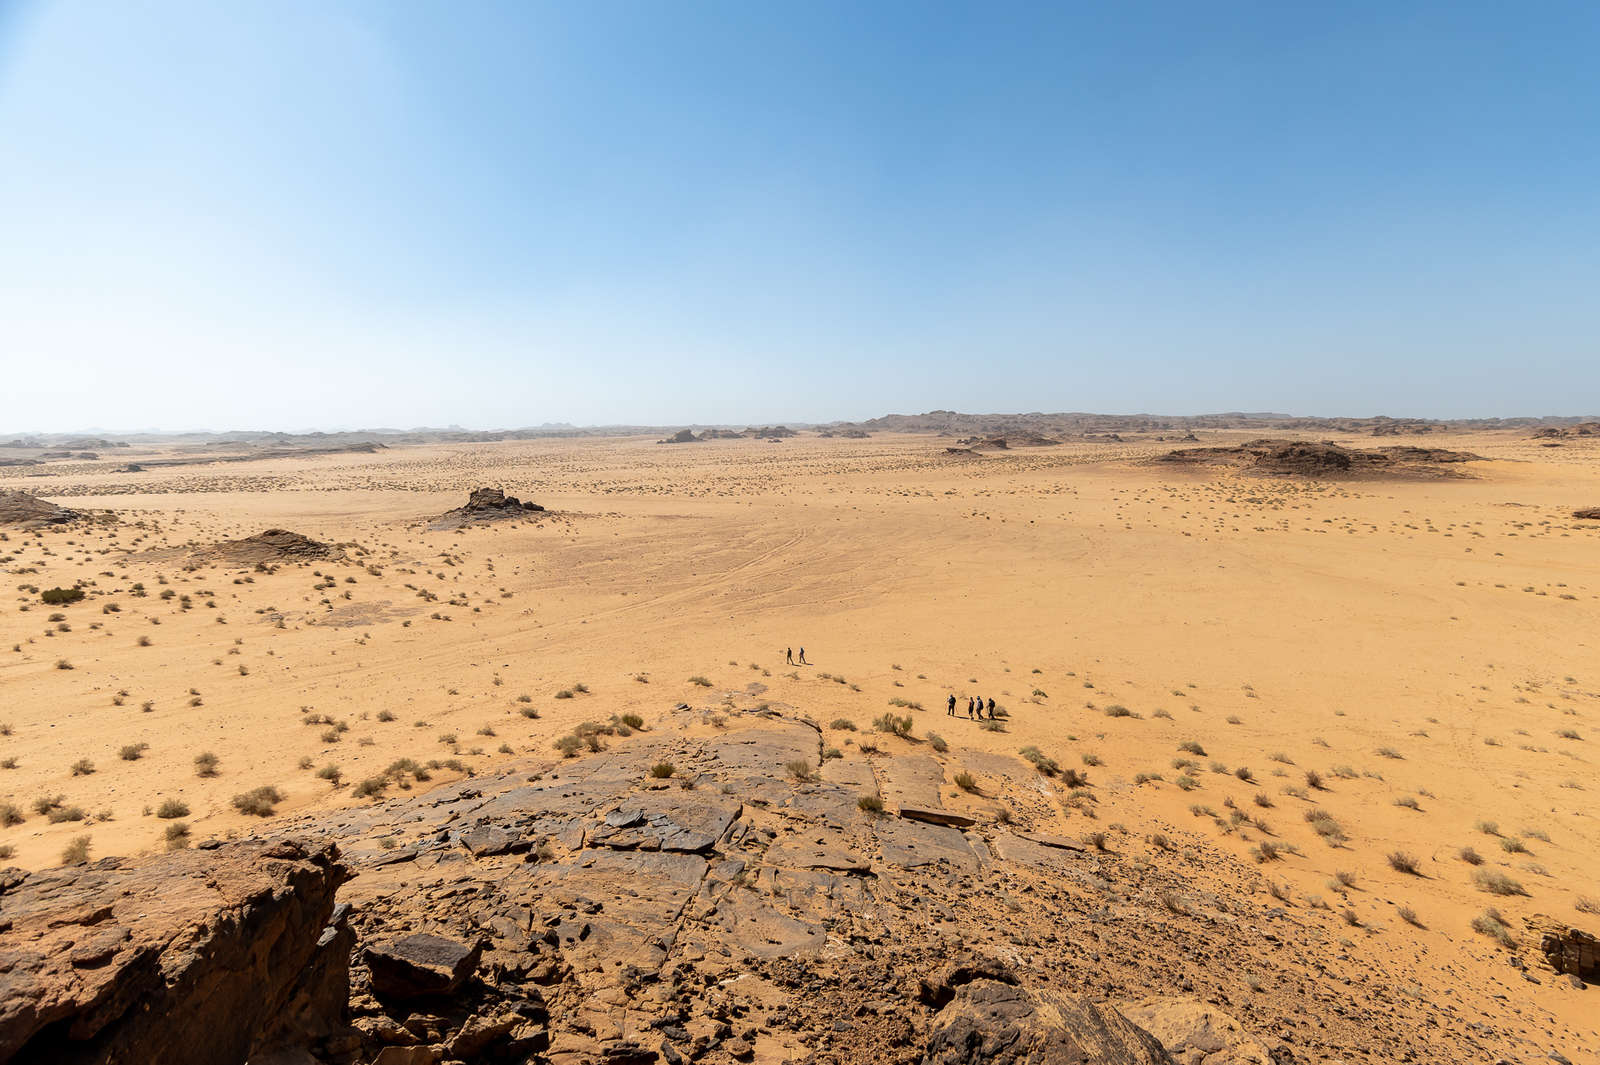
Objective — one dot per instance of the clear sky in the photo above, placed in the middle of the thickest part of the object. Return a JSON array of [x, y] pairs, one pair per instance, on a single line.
[[285, 214]]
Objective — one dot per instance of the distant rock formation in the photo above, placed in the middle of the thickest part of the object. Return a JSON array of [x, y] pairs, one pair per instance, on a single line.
[[1304, 458], [1568, 432], [268, 548], [29, 511], [1588, 514], [485, 505]]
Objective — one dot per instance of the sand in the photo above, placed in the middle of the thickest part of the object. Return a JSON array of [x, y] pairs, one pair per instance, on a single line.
[[1431, 648]]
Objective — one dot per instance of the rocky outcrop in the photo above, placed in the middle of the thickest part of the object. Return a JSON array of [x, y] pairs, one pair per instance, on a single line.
[[749, 906], [202, 956], [30, 512], [1312, 459], [269, 548], [486, 505], [1587, 514], [1566, 949], [995, 1022]]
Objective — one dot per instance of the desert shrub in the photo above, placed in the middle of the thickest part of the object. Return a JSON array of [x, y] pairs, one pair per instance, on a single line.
[[1074, 778], [177, 836], [60, 596], [1191, 747], [1470, 856], [205, 764], [133, 752], [633, 721], [331, 773], [1041, 761], [829, 753], [843, 724], [1511, 845], [10, 814], [76, 852], [870, 804], [662, 770], [700, 681], [371, 788], [259, 802], [1118, 710], [1409, 916], [82, 767], [1187, 782], [937, 742], [1491, 924], [564, 693], [1409, 803], [1496, 883], [1401, 862], [799, 769], [1096, 839], [171, 808], [965, 781], [897, 726]]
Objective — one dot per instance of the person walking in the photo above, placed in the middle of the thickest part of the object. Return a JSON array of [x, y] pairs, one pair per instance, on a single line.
[[991, 708], [950, 708], [803, 661], [788, 655]]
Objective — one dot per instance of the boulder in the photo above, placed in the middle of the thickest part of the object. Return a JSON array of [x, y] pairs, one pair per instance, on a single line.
[[1566, 949], [420, 965], [997, 1023]]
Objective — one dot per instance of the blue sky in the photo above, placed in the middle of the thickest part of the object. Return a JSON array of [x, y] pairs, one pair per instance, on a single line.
[[286, 215]]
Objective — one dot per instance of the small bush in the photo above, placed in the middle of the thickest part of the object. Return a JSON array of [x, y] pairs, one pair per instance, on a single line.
[[331, 773], [1191, 747], [1496, 883], [10, 815], [1470, 856], [564, 693], [966, 782], [700, 681], [633, 721], [133, 752], [897, 726], [799, 769], [870, 804], [76, 852], [61, 596], [205, 764], [662, 770], [1041, 761], [82, 767], [937, 742], [177, 836], [171, 808], [1401, 862], [371, 788], [843, 724], [259, 802]]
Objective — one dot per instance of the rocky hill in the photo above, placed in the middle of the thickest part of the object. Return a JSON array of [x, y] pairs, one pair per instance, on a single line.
[[720, 888]]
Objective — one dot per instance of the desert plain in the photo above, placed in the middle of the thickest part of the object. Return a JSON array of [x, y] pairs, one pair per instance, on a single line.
[[1371, 701]]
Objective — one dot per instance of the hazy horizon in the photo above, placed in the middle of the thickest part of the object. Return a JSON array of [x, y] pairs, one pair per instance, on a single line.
[[363, 213]]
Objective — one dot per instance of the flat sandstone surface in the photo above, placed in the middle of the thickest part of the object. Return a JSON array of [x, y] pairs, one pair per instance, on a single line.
[[1274, 685]]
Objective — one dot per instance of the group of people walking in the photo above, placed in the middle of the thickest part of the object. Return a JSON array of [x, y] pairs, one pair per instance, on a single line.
[[975, 707], [789, 658]]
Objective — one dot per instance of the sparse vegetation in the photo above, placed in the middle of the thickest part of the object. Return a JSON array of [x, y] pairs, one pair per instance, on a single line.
[[258, 802]]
